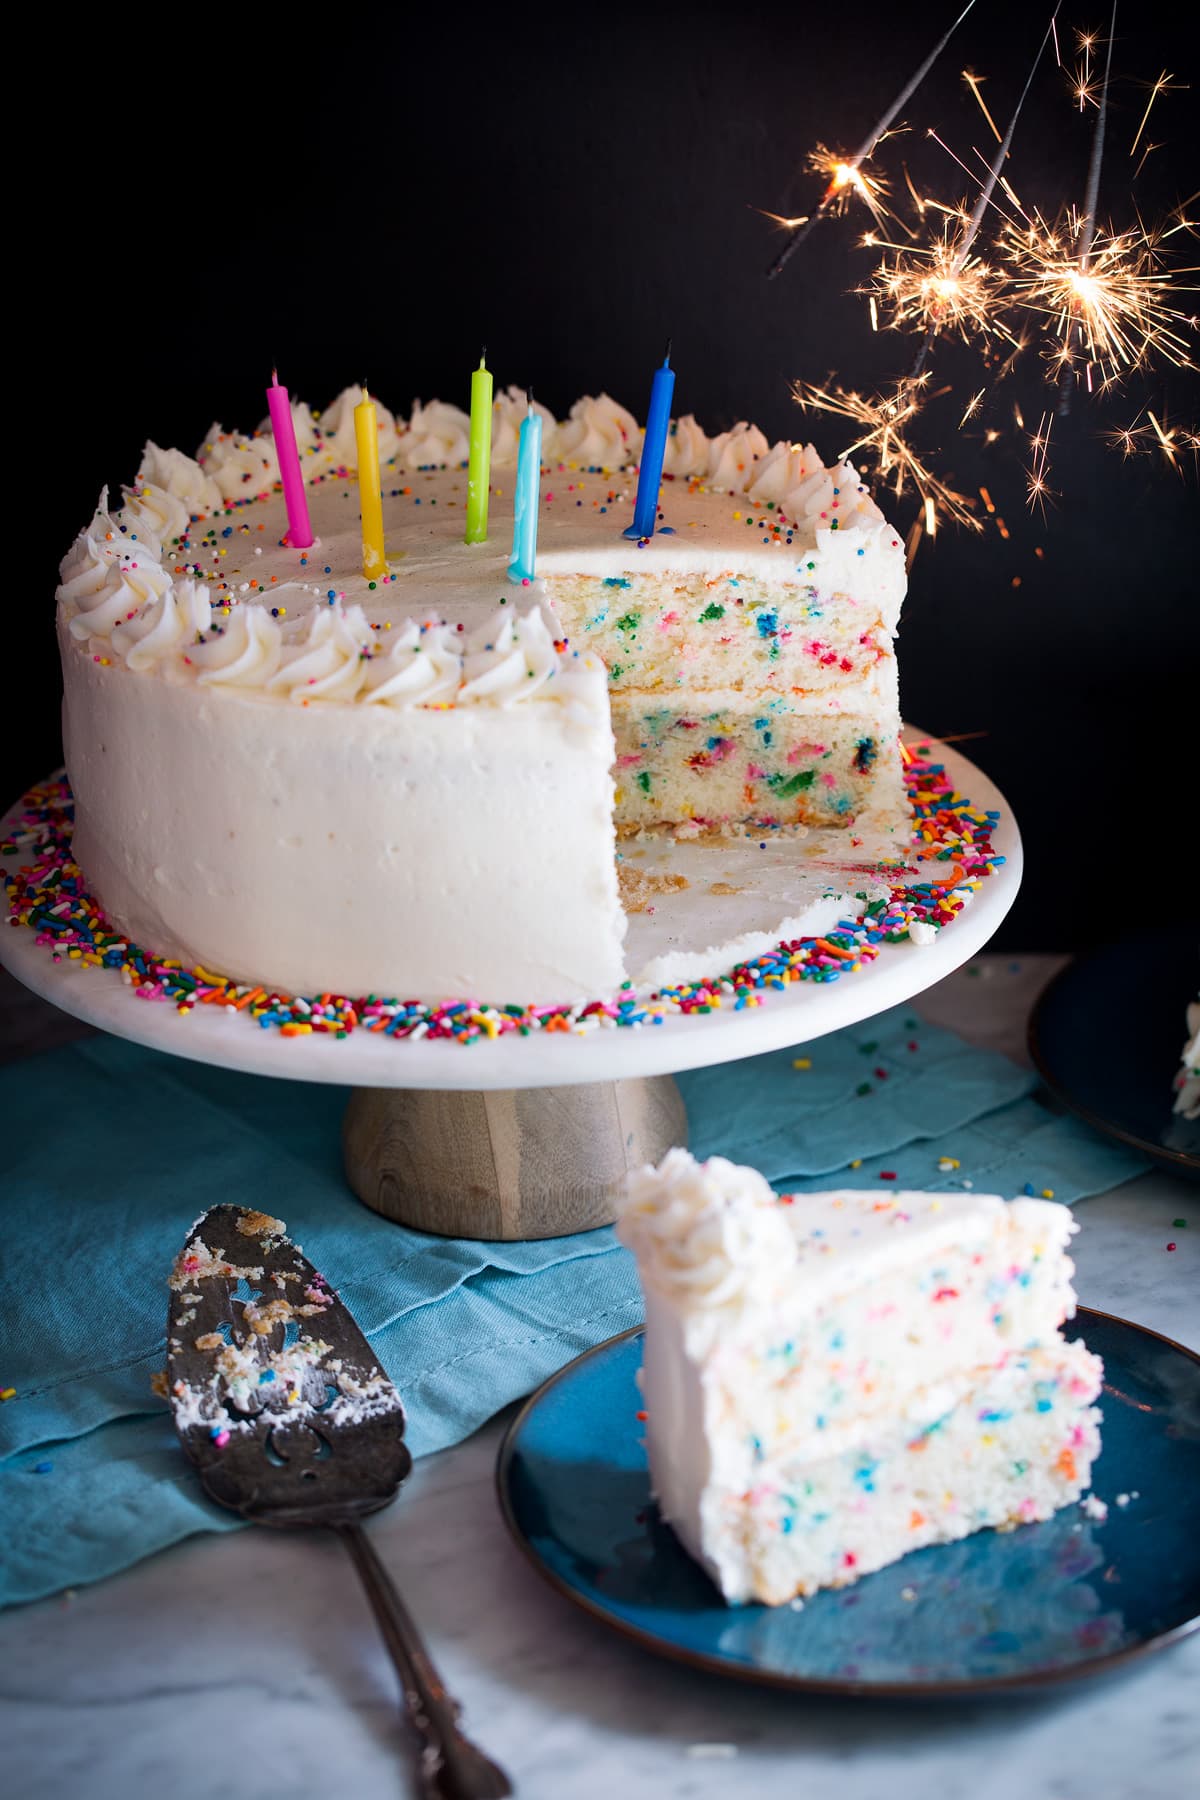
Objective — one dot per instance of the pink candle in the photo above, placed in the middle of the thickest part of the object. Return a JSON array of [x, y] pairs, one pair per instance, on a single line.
[[300, 534]]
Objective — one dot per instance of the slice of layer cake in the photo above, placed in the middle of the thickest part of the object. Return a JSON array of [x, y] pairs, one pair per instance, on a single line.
[[832, 1380], [1187, 1080]]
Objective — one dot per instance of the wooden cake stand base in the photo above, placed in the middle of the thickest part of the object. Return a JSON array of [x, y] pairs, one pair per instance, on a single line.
[[513, 1163]]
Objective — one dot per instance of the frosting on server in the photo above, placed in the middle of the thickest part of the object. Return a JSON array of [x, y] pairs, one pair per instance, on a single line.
[[832, 1380], [306, 781]]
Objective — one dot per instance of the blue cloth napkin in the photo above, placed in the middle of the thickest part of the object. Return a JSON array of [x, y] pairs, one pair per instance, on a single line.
[[115, 1150]]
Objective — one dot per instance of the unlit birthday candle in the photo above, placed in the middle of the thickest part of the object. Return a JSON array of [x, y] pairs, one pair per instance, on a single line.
[[654, 447], [479, 468], [527, 497], [300, 535], [370, 499]]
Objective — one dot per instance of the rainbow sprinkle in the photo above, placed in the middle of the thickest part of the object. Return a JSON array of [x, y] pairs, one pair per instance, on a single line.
[[47, 896]]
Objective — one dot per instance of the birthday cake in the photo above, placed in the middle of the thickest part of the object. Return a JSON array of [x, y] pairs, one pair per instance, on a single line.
[[287, 772], [833, 1380]]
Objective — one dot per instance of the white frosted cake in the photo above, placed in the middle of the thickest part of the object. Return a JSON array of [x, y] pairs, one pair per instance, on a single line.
[[286, 774], [833, 1380]]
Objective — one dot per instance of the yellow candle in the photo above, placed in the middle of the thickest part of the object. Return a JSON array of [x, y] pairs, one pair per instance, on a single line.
[[370, 500]]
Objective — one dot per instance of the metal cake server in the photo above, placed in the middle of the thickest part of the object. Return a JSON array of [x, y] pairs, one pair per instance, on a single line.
[[287, 1415]]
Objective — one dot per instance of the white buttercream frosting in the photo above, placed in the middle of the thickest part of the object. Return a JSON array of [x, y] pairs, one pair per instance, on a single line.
[[438, 433], [711, 1236], [329, 661], [107, 575], [182, 476], [509, 659], [599, 433], [244, 651], [337, 429], [732, 456], [241, 467], [421, 666], [154, 638], [686, 451], [781, 471], [153, 512]]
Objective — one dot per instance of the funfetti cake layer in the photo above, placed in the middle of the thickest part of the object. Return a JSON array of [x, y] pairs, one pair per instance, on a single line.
[[405, 787], [832, 1380]]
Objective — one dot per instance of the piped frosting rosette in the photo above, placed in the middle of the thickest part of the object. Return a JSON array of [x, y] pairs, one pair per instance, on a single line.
[[711, 1235], [422, 666], [240, 467], [108, 575], [599, 433], [438, 435], [329, 662], [157, 637]]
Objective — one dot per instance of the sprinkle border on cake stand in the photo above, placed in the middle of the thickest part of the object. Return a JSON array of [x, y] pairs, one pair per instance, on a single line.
[[47, 895]]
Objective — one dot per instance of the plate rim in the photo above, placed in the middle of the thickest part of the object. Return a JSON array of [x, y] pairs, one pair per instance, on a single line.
[[1180, 1161], [979, 1687]]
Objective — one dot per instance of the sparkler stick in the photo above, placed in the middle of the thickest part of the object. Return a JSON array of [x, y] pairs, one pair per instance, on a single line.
[[1088, 231], [985, 193], [861, 155]]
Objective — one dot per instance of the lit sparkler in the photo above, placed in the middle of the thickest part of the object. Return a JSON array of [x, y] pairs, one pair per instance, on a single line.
[[1117, 308], [844, 179], [882, 422], [938, 289], [839, 183]]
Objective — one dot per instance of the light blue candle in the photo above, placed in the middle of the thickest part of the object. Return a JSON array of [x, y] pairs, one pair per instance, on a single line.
[[654, 447], [526, 498]]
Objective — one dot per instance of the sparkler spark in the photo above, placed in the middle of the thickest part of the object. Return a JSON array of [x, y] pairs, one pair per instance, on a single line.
[[1165, 84], [1037, 488], [844, 178], [938, 289], [973, 82], [882, 421], [1145, 440], [1118, 308]]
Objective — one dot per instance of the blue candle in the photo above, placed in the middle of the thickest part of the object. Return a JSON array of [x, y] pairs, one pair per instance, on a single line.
[[526, 498], [658, 423]]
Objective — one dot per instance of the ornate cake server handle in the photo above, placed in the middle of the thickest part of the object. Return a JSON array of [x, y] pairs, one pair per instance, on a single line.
[[452, 1767]]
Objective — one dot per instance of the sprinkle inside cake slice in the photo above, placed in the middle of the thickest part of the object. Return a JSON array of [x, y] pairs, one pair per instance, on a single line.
[[832, 1380]]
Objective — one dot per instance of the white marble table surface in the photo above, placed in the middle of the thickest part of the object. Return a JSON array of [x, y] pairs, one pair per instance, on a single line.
[[248, 1666]]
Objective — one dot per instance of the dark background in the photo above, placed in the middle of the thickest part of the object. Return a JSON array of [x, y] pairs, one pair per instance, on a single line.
[[571, 187]]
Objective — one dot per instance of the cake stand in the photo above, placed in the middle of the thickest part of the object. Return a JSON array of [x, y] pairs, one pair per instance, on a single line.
[[527, 1137]]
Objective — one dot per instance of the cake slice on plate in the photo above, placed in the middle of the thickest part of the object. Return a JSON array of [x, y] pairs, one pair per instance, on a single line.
[[832, 1380]]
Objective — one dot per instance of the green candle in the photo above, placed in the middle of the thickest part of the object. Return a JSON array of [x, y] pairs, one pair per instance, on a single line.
[[479, 468]]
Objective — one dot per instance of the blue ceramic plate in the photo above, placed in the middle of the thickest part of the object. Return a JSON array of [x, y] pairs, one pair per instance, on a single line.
[[998, 1611], [1105, 1037]]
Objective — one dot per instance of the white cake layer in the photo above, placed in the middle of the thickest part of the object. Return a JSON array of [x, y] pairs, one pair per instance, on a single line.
[[356, 849], [1001, 1446], [800, 1373]]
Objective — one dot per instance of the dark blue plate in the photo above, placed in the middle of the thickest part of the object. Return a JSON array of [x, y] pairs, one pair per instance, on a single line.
[[1105, 1037], [998, 1611]]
